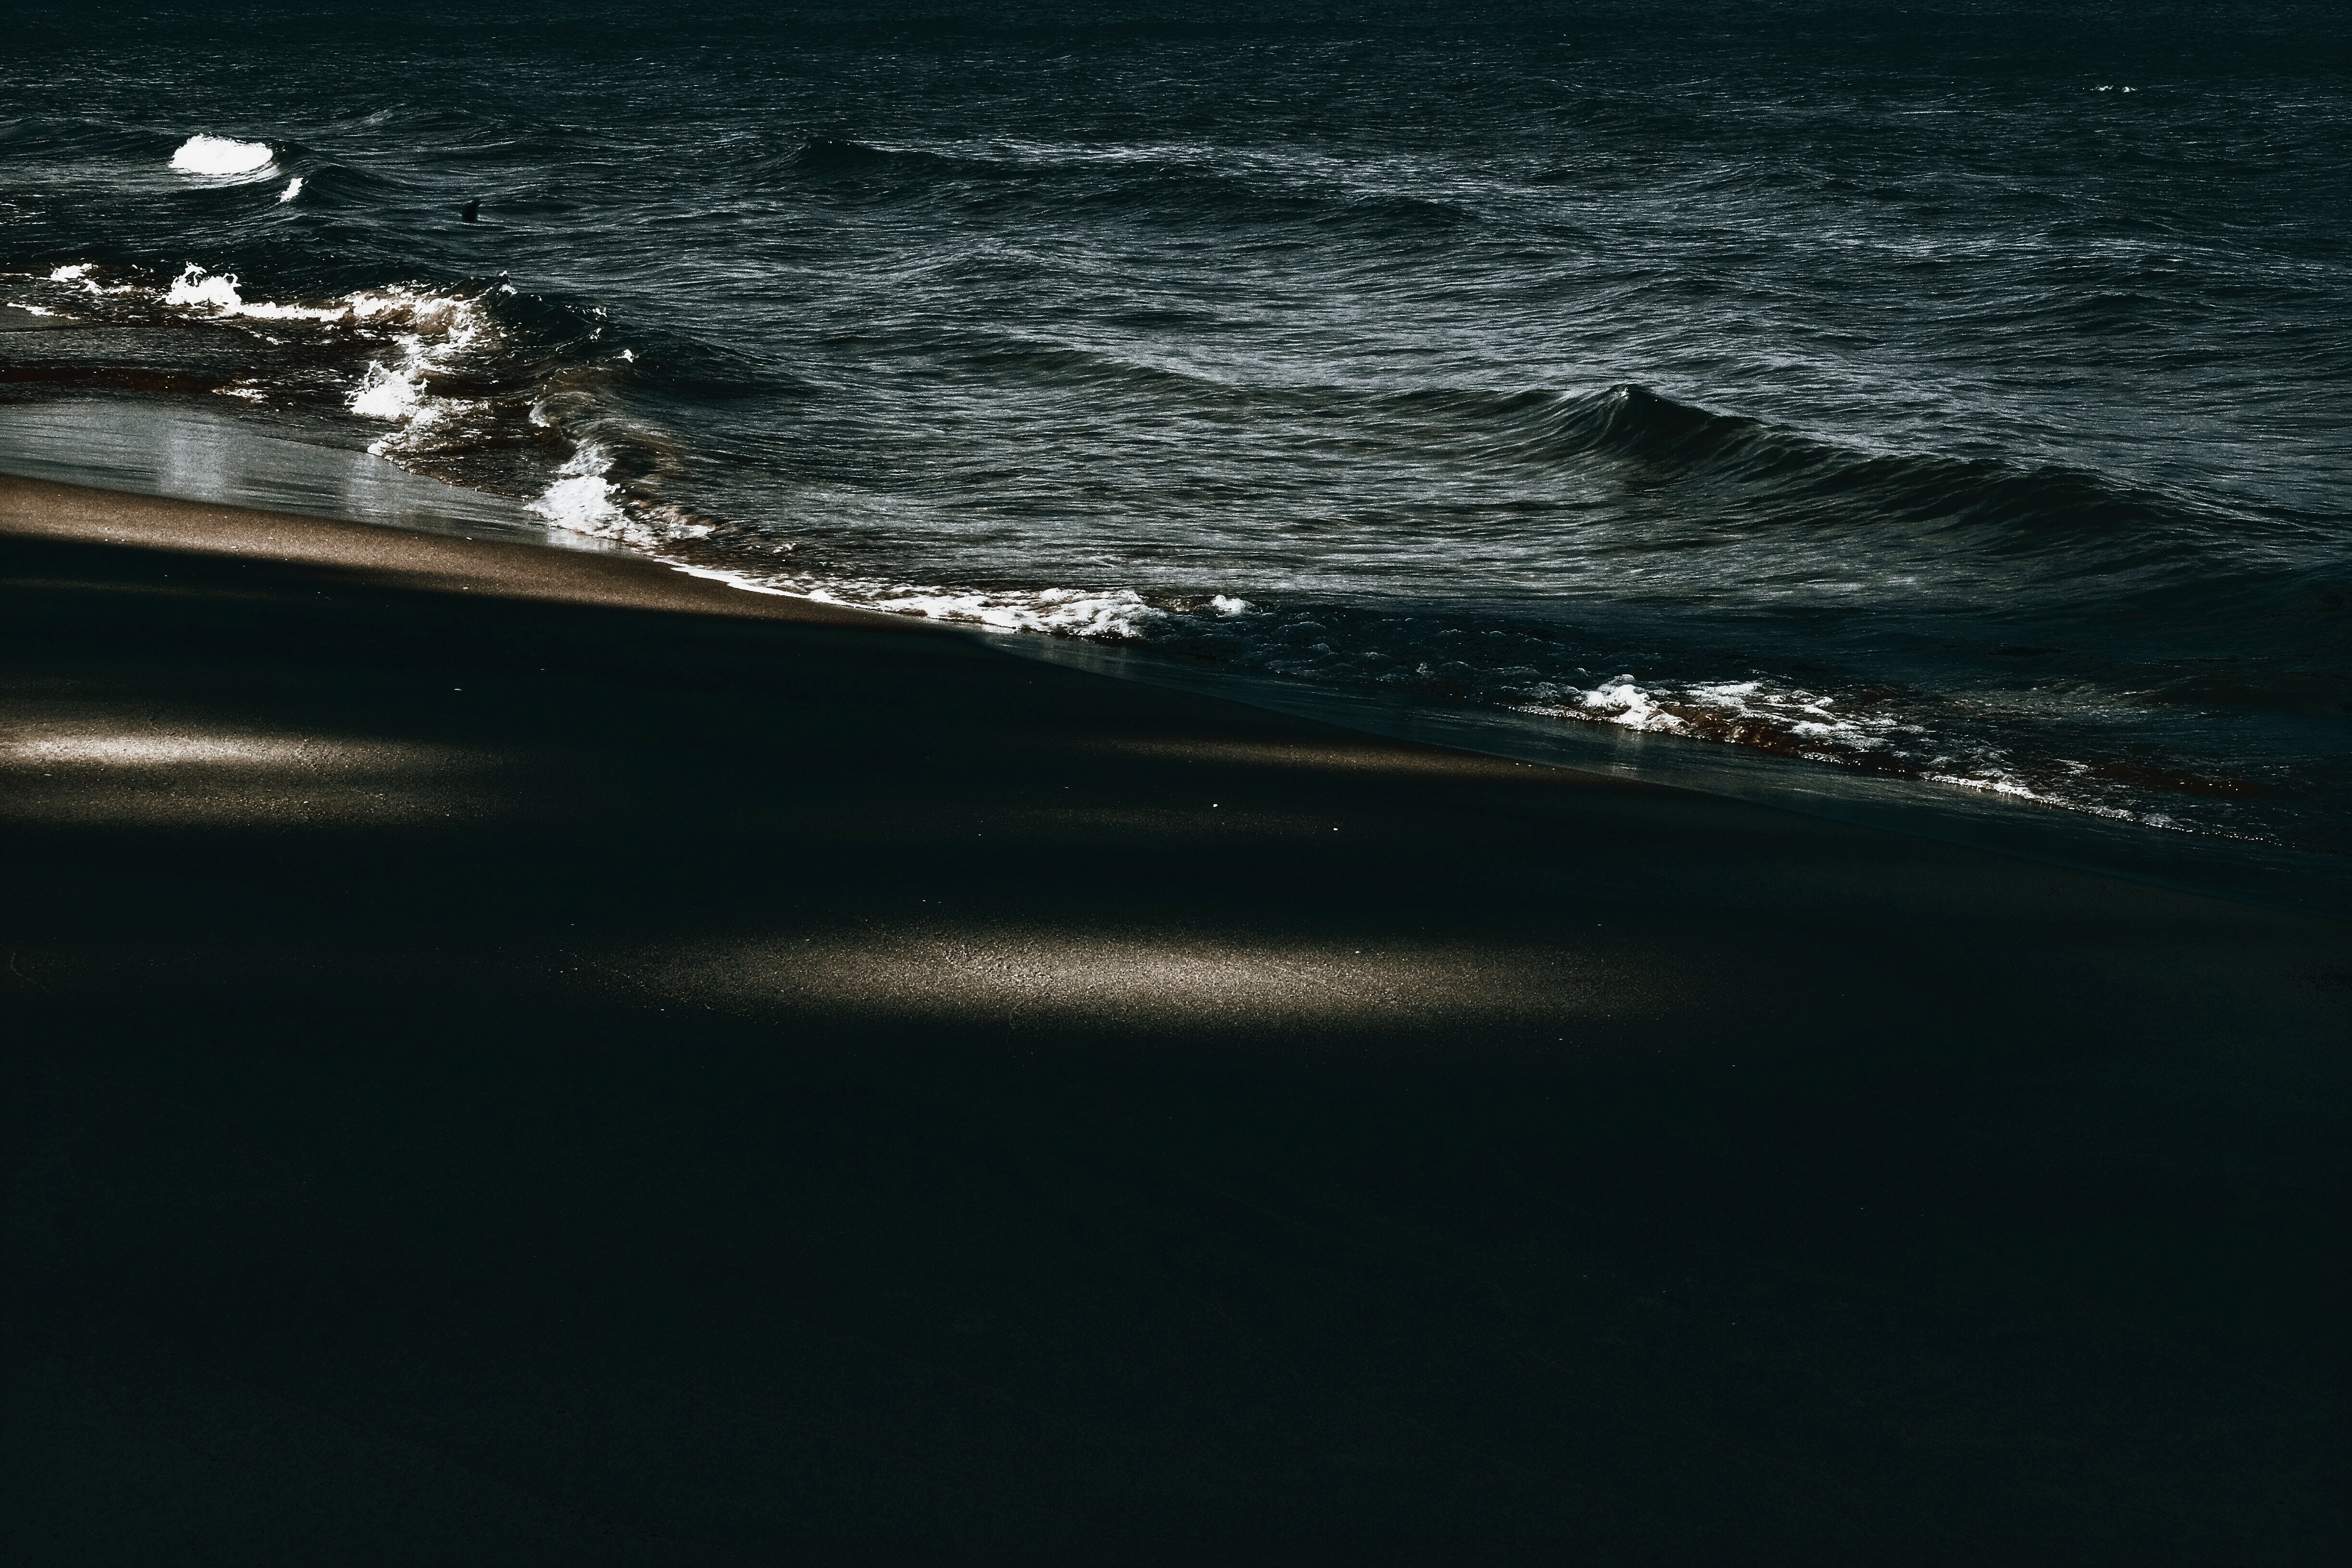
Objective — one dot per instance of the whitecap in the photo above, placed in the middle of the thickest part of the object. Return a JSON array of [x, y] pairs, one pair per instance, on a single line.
[[201, 155], [293, 189]]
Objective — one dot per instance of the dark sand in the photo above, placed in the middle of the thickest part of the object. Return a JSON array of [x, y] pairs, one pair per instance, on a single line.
[[519, 1055]]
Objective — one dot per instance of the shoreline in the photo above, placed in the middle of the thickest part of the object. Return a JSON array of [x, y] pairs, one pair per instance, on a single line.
[[389, 555], [333, 485], [526, 1051]]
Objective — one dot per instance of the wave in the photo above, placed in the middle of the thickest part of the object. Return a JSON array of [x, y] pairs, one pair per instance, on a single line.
[[55, 134], [428, 333], [1735, 475], [1741, 475], [359, 191], [411, 357], [828, 157], [824, 155]]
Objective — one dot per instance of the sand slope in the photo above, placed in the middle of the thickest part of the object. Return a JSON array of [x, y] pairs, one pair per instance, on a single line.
[[518, 1052]]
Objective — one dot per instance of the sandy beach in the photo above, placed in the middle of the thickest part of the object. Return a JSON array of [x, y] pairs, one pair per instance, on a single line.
[[522, 1055]]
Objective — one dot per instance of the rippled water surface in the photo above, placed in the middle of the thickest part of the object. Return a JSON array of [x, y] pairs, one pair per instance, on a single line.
[[1957, 394]]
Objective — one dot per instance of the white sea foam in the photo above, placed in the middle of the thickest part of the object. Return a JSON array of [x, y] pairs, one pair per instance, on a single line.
[[427, 332], [1072, 612], [220, 155], [33, 310], [439, 329], [1622, 703], [398, 396], [581, 500], [79, 272], [2010, 787], [733, 580], [194, 289], [438, 325], [447, 321], [293, 189], [1112, 614], [386, 393], [1744, 712]]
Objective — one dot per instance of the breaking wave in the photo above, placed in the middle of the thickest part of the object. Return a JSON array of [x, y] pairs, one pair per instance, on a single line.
[[582, 499], [412, 345]]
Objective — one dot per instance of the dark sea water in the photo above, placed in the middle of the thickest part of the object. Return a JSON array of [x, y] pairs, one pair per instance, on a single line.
[[1957, 394]]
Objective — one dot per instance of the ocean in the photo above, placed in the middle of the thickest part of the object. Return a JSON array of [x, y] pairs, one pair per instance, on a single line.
[[1954, 397]]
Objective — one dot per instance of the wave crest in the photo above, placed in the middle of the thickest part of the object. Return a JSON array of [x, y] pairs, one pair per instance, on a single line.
[[1742, 473]]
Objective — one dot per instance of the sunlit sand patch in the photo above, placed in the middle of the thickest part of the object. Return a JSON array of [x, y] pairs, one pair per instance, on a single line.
[[115, 772], [1016, 974]]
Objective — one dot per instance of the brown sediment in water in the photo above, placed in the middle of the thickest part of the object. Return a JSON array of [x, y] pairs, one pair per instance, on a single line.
[[524, 1052]]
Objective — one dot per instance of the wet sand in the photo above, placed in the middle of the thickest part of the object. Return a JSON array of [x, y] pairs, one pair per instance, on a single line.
[[520, 1054]]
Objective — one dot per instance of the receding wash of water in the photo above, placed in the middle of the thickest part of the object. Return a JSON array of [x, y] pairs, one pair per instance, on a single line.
[[1952, 394]]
